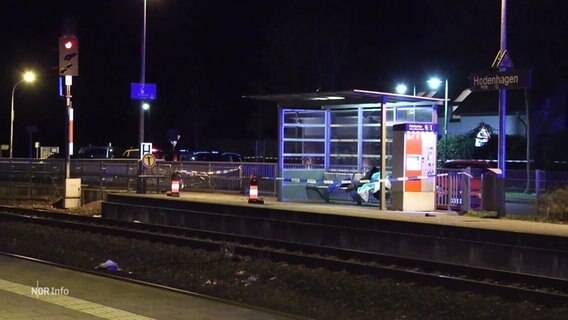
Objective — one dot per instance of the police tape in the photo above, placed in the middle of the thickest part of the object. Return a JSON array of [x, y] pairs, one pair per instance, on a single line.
[[363, 181], [207, 173]]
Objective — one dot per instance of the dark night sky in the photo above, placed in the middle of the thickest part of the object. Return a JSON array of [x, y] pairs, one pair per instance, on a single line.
[[204, 55]]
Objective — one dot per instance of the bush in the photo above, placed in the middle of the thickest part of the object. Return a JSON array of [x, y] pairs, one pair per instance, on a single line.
[[553, 206]]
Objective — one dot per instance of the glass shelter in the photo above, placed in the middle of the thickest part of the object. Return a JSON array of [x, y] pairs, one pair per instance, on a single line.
[[345, 132]]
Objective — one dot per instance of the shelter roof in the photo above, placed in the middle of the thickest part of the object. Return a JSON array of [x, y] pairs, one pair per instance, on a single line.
[[355, 96]]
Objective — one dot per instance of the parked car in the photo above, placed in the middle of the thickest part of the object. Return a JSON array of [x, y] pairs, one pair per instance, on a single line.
[[131, 153], [231, 157], [98, 152], [135, 153], [212, 156]]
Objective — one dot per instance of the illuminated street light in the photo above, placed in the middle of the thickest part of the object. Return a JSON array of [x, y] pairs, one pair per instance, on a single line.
[[27, 77], [401, 88], [145, 106], [435, 84]]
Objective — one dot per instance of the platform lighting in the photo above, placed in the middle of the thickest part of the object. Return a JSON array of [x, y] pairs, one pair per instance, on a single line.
[[401, 88], [434, 84], [139, 184], [29, 77], [146, 106]]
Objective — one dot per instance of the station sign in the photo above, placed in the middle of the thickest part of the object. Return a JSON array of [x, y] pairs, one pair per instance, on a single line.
[[421, 127], [497, 80], [143, 91]]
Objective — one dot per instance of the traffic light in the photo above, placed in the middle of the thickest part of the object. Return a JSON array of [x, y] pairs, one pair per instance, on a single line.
[[68, 56]]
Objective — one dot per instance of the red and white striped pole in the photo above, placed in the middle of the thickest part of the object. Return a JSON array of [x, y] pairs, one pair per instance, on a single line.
[[70, 130], [68, 83]]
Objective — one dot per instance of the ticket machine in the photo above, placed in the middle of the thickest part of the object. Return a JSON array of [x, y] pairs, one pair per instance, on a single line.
[[414, 160]]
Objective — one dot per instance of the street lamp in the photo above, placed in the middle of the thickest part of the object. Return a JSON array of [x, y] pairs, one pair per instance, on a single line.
[[27, 77], [401, 88], [140, 188], [146, 107], [434, 84], [142, 74]]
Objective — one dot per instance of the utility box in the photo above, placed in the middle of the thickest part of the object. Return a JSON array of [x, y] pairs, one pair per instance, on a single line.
[[45, 152], [414, 162], [72, 193], [493, 193]]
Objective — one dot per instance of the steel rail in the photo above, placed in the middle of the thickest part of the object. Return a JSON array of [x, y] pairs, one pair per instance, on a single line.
[[516, 286]]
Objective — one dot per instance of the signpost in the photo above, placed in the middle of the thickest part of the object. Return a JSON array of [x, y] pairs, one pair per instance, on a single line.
[[142, 91]]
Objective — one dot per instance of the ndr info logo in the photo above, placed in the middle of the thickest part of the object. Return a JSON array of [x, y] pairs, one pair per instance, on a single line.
[[49, 291]]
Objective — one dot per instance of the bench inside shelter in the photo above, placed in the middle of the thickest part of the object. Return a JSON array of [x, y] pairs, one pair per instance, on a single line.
[[332, 186]]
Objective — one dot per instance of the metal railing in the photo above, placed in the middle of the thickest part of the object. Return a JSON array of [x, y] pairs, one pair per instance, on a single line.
[[35, 178]]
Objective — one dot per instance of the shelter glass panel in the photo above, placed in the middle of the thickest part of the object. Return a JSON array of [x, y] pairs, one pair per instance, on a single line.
[[304, 116], [337, 132], [344, 117], [344, 161], [303, 135], [371, 161], [348, 148], [424, 115]]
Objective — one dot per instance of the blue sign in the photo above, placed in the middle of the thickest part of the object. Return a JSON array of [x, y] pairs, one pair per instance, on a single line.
[[143, 91]]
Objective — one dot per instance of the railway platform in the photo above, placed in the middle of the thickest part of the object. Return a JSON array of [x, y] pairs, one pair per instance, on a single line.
[[438, 217], [34, 290], [505, 244]]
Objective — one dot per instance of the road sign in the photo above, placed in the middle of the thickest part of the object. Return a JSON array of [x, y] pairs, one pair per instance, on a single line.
[[146, 148], [143, 91], [510, 79], [502, 60], [148, 160]]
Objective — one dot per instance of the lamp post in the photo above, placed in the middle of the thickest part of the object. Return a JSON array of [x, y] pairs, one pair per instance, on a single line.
[[143, 73], [27, 77], [140, 188], [434, 84], [147, 123]]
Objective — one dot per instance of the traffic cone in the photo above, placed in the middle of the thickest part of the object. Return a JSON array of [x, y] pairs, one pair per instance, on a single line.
[[175, 184], [253, 191]]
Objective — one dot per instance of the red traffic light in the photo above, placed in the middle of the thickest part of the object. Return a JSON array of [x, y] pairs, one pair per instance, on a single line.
[[68, 56]]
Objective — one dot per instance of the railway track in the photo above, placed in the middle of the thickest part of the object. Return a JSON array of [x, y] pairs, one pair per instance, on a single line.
[[510, 285]]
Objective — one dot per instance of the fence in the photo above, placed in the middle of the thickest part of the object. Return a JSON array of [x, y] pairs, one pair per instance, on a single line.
[[34, 178]]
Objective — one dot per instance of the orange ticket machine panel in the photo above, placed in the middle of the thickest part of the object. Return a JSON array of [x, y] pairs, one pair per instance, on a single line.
[[414, 160]]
